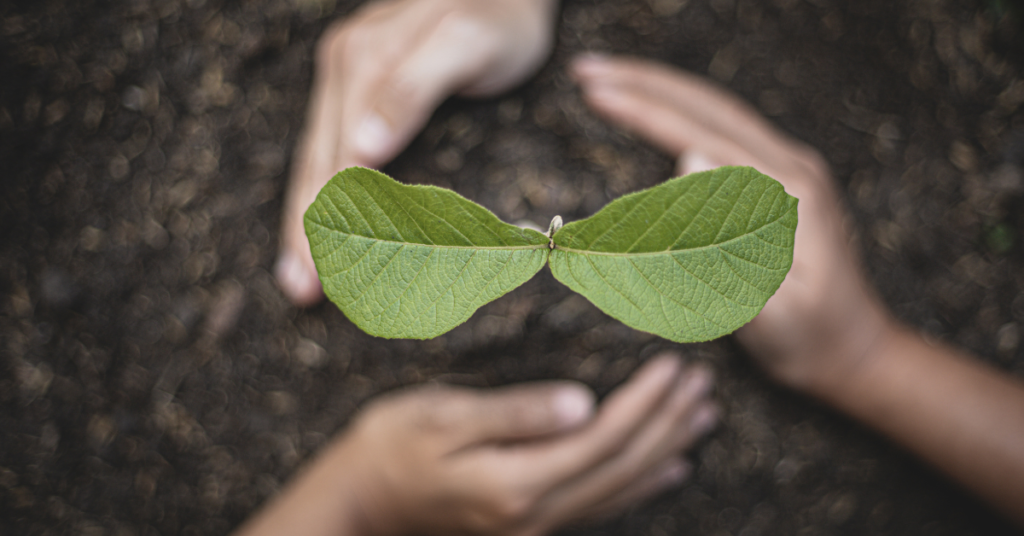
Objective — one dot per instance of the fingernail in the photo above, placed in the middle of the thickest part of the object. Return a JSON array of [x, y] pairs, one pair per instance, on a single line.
[[693, 162], [527, 224], [286, 268], [294, 279], [590, 63], [661, 372], [676, 473], [704, 420], [602, 93], [699, 381], [373, 139], [573, 406]]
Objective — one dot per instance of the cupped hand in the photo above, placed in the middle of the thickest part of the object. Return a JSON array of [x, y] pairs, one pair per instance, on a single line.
[[516, 460], [824, 318], [524, 459], [378, 77]]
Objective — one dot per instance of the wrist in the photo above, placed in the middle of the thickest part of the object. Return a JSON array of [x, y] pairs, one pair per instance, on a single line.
[[320, 501], [846, 355], [865, 361], [340, 476]]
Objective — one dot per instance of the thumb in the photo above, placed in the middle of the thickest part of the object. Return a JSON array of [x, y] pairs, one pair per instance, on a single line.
[[692, 161], [529, 410], [448, 59]]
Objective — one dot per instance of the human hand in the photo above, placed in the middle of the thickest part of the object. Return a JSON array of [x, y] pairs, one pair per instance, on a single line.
[[517, 460], [380, 74], [526, 459], [824, 319]]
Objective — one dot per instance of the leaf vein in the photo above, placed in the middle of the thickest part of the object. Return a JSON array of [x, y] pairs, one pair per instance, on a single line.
[[697, 215], [616, 289], [709, 285], [449, 287], [639, 202], [377, 275], [439, 218], [441, 246], [398, 300], [737, 274], [380, 209], [662, 215], [664, 296], [732, 209], [357, 209]]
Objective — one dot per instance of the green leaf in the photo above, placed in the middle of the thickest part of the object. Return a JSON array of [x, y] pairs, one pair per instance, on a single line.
[[690, 260], [413, 261]]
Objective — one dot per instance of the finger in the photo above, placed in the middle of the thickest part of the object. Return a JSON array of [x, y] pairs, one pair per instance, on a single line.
[[694, 161], [295, 272], [714, 108], [714, 111], [364, 61], [445, 61], [663, 476], [542, 467], [685, 416], [347, 57], [664, 125], [678, 134], [525, 411]]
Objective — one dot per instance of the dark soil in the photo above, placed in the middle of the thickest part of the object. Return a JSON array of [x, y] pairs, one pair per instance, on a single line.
[[154, 381]]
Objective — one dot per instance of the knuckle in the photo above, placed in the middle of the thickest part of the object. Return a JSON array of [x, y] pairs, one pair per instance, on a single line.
[[371, 421], [398, 92], [506, 509], [330, 45], [360, 40], [817, 164], [812, 161], [524, 416], [440, 410], [468, 27], [818, 190], [381, 407], [343, 43], [398, 406], [513, 508], [462, 24], [502, 504]]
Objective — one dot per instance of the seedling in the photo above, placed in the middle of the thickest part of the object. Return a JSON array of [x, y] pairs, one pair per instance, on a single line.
[[691, 259]]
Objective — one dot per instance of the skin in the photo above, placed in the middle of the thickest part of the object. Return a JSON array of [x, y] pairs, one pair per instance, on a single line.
[[379, 75], [825, 332], [518, 460], [509, 461]]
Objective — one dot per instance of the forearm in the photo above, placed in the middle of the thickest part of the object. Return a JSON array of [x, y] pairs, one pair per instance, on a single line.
[[319, 502], [955, 412]]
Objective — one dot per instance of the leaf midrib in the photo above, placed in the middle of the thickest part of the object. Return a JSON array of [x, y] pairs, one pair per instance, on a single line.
[[670, 251], [557, 247], [410, 244]]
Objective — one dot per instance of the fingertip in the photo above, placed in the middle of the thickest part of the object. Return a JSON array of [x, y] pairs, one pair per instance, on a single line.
[[704, 420], [675, 472], [374, 139], [589, 64], [601, 94], [666, 363], [657, 375], [573, 405], [608, 99], [297, 280], [694, 161], [699, 380]]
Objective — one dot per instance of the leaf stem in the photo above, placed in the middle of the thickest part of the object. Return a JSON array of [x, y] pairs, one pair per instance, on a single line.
[[556, 224]]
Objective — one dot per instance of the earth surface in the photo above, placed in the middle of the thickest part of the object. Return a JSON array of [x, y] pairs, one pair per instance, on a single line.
[[153, 380]]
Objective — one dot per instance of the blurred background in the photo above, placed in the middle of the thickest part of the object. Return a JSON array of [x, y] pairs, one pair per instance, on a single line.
[[154, 381]]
